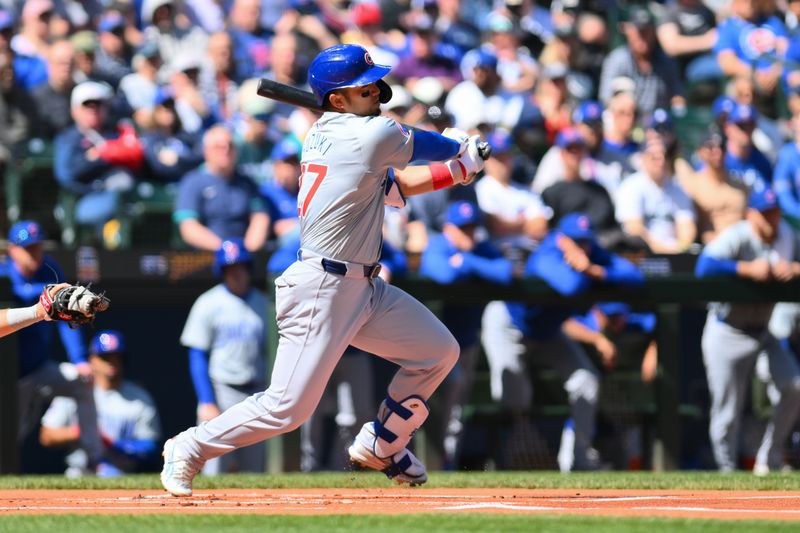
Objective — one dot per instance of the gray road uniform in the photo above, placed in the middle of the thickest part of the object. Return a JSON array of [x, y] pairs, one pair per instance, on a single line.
[[127, 414], [733, 337], [331, 298], [232, 331]]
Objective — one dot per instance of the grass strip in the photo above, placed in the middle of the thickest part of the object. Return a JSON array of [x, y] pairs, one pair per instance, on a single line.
[[424, 523], [345, 480]]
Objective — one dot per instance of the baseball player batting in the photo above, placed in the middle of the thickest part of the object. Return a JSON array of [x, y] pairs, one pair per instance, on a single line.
[[354, 161]]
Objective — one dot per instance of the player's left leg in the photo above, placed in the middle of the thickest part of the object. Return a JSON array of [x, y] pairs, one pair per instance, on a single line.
[[783, 376], [402, 330], [582, 384]]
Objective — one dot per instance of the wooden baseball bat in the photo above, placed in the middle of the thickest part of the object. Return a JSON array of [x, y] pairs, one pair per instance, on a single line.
[[291, 95]]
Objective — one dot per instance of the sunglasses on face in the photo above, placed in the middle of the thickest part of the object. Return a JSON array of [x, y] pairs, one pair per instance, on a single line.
[[46, 16], [745, 126], [92, 104]]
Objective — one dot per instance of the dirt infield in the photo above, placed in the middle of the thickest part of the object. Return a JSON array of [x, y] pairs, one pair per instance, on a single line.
[[667, 503]]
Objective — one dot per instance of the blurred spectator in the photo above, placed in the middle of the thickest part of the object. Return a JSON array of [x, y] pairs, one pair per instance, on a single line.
[[17, 111], [785, 180], [574, 194], [176, 42], [534, 20], [655, 74], [743, 160], [52, 99], [562, 161], [768, 135], [30, 71], [253, 132], [368, 32], [515, 217], [33, 39], [687, 31], [565, 49], [94, 160], [225, 333], [113, 56], [85, 44], [194, 110], [618, 152], [479, 99], [792, 18], [752, 44], [651, 205], [313, 20], [41, 377], [515, 335], [286, 67], [659, 127], [220, 76], [250, 37], [457, 33], [140, 87], [455, 255], [280, 193], [127, 417], [516, 67], [170, 152], [719, 201], [216, 202], [551, 97], [762, 248], [206, 14], [604, 163], [423, 60]]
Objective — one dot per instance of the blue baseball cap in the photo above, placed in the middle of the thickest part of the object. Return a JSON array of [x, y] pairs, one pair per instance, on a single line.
[[723, 105], [576, 226], [742, 113], [613, 308], [6, 19], [232, 252], [25, 233], [107, 341], [660, 120], [110, 22], [569, 137], [287, 148], [590, 111], [763, 199], [500, 141], [485, 59], [462, 213], [164, 94]]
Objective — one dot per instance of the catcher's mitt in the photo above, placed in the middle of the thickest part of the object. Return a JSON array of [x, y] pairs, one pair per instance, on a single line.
[[75, 304]]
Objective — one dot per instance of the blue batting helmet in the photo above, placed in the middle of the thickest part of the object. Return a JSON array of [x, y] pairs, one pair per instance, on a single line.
[[345, 65], [232, 252], [107, 341]]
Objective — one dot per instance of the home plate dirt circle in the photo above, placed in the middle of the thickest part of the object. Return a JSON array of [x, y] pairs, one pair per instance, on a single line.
[[671, 503]]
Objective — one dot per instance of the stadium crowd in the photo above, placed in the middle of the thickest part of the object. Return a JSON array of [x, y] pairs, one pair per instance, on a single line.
[[582, 102]]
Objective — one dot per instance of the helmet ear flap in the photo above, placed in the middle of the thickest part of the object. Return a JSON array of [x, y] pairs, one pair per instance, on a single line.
[[386, 91]]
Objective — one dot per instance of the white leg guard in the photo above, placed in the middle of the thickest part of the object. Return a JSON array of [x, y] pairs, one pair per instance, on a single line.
[[381, 444]]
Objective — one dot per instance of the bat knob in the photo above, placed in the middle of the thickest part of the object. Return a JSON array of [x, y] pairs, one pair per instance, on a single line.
[[484, 150]]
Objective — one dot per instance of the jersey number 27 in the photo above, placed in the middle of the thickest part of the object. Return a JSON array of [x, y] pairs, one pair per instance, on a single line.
[[319, 171]]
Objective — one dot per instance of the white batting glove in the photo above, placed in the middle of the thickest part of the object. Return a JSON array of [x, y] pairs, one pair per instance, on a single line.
[[471, 158], [461, 136]]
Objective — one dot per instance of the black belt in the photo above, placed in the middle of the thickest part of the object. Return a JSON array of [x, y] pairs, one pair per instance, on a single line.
[[335, 267]]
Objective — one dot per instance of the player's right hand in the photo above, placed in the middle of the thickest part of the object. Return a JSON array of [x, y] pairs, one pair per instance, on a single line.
[[207, 411], [471, 159]]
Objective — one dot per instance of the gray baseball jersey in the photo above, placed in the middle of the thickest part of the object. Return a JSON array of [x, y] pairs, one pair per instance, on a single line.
[[125, 413], [345, 160], [740, 243], [231, 329]]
